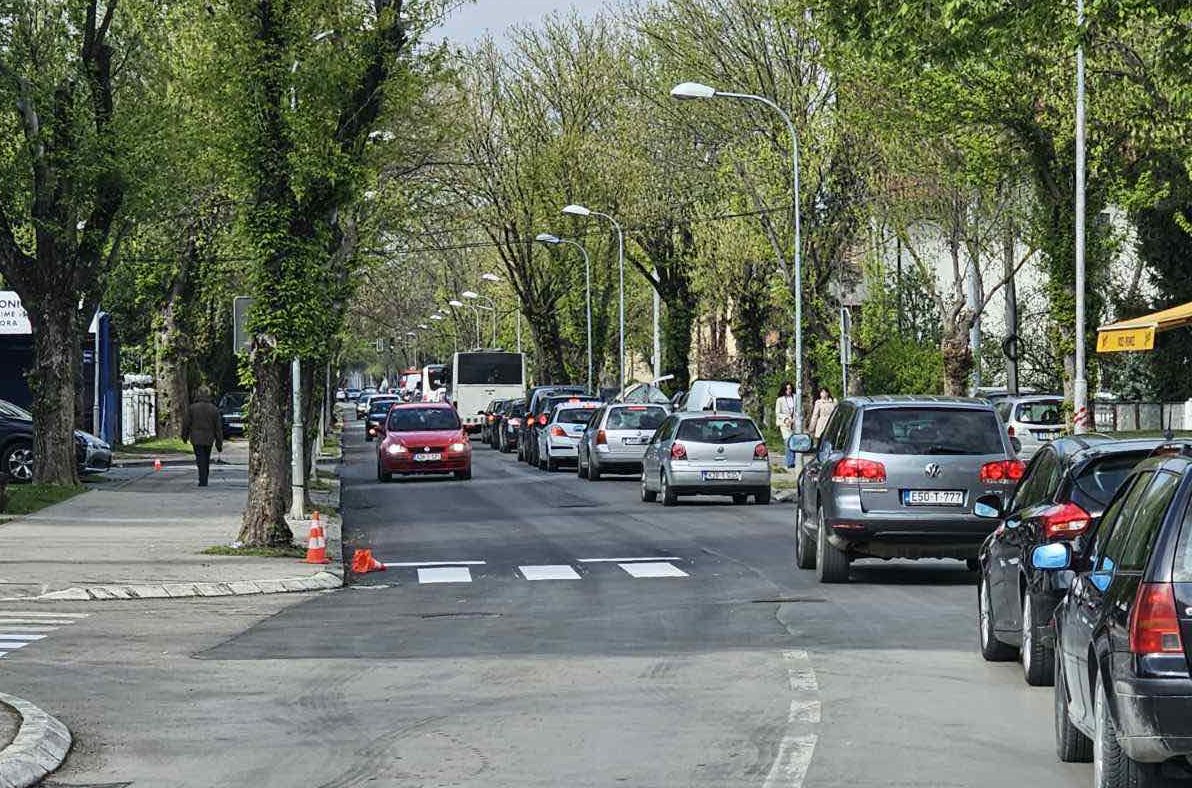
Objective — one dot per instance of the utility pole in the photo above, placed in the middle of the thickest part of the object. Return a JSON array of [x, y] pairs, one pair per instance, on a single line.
[[1011, 291], [298, 478], [1080, 385]]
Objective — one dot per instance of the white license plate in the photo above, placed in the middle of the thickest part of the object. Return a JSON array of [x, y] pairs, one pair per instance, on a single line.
[[933, 497], [722, 476], [633, 441], [427, 457], [1043, 436]]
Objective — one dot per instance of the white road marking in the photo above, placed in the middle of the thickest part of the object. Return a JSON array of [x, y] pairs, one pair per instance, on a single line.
[[800, 672], [445, 574], [13, 645], [10, 636], [790, 766], [7, 627], [11, 622], [549, 572], [804, 711], [659, 569], [41, 614], [628, 560], [413, 564]]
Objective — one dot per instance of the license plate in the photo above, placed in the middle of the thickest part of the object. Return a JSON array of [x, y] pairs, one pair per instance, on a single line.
[[427, 457], [633, 441], [1043, 436], [722, 476], [933, 497]]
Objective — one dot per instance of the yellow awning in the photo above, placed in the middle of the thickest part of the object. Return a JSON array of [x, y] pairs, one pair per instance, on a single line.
[[1138, 333]]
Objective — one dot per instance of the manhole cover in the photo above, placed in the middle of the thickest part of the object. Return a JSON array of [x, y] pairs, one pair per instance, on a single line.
[[461, 615]]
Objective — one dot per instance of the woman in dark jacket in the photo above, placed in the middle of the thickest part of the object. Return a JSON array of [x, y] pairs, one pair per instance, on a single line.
[[203, 428]]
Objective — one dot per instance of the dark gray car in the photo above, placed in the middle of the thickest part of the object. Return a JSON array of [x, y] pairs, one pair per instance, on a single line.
[[897, 477]]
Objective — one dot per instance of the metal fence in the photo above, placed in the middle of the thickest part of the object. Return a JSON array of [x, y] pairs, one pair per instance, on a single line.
[[139, 414]]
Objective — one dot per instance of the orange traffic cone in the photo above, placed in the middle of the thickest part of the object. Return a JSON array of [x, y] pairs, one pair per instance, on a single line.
[[363, 563], [157, 463], [316, 545]]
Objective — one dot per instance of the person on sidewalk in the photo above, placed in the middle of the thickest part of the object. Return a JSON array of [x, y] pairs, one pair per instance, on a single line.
[[784, 414], [203, 428], [821, 412]]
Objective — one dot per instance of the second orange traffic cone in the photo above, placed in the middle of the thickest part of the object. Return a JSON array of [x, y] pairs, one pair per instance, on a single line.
[[157, 463], [363, 563], [316, 546]]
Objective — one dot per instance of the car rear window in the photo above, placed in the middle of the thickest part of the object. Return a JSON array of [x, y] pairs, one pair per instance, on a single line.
[[418, 419], [380, 405], [728, 404], [574, 415], [714, 430], [1046, 413], [635, 417], [1100, 479], [931, 431]]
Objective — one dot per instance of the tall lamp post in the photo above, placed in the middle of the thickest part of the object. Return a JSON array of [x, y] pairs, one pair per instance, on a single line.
[[579, 210], [492, 307], [1080, 386], [554, 240], [694, 90], [491, 277]]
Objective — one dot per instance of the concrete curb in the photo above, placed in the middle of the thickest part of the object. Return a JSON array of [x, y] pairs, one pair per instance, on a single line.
[[40, 746], [784, 496]]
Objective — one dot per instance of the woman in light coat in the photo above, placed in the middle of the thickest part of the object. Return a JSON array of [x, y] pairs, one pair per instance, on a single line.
[[821, 412], [784, 415]]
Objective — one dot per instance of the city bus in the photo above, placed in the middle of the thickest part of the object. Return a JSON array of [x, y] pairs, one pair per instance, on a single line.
[[481, 376]]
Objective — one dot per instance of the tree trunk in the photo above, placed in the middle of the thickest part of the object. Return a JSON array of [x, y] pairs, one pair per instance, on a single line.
[[677, 321], [749, 316], [173, 351], [264, 520], [551, 367], [958, 360], [52, 384]]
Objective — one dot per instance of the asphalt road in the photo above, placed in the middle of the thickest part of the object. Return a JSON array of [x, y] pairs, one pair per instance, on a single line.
[[701, 657]]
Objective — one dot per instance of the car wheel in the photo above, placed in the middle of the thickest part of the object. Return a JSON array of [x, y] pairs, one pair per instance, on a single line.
[[593, 470], [1036, 656], [762, 496], [552, 464], [383, 476], [580, 471], [1071, 745], [669, 496], [648, 495], [18, 461], [463, 475], [804, 548], [1112, 768], [740, 498], [992, 649], [831, 565]]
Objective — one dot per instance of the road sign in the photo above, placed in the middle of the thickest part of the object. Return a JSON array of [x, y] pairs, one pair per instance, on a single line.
[[241, 338], [13, 318], [1120, 340]]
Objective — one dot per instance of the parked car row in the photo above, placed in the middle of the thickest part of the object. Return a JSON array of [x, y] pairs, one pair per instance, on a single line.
[[92, 454]]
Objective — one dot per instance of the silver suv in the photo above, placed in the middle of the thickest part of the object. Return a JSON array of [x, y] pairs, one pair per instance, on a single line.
[[897, 477], [706, 453], [616, 438]]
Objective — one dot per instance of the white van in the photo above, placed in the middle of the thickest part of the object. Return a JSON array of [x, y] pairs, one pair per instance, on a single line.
[[722, 395]]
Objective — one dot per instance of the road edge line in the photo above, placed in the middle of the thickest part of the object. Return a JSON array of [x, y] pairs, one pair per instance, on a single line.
[[39, 748]]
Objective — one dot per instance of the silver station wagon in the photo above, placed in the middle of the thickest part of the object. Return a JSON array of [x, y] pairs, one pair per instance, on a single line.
[[898, 477], [706, 453], [616, 438]]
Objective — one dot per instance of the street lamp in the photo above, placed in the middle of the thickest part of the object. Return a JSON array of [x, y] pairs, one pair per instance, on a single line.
[[492, 307], [694, 90], [490, 277], [1080, 385], [579, 210], [554, 240]]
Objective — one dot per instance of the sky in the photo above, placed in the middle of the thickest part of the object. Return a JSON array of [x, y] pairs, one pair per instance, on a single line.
[[472, 20]]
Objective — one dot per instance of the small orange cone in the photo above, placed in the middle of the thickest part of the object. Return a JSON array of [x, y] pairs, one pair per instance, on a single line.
[[363, 563], [316, 545], [157, 463]]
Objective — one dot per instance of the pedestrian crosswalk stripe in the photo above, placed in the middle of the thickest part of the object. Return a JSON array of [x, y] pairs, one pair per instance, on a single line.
[[9, 628], [20, 636], [549, 572], [41, 614], [653, 569], [444, 574], [20, 628], [7, 622], [13, 645]]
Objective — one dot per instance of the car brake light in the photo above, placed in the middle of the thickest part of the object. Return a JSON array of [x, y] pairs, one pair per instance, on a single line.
[[1154, 624], [1010, 430], [1064, 520], [678, 451], [558, 432], [856, 469], [601, 438], [760, 452], [1002, 472], [542, 419]]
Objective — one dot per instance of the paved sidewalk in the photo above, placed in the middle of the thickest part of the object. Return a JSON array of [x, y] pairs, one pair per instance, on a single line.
[[139, 533]]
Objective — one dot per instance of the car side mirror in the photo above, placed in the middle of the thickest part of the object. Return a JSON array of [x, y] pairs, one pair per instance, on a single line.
[[799, 443], [988, 507], [1052, 557]]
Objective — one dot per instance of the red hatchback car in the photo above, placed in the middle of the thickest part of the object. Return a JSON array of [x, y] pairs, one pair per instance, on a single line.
[[424, 437]]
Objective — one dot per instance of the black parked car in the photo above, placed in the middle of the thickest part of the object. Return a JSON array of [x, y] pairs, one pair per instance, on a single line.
[[1066, 487], [536, 410], [491, 413], [16, 446], [378, 410], [509, 424], [1123, 694], [231, 412]]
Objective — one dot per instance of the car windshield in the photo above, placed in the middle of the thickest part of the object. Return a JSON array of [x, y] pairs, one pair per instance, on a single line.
[[930, 431], [14, 412], [719, 430], [635, 417], [420, 419], [1101, 478], [1046, 412]]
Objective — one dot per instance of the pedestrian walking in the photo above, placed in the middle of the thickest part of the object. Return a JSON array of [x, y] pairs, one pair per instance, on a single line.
[[824, 406], [784, 414], [202, 427]]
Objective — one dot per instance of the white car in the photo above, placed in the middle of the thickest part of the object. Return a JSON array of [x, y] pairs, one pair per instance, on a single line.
[[1032, 421], [716, 395], [558, 440]]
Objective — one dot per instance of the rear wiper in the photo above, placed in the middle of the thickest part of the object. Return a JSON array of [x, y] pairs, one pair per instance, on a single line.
[[945, 450]]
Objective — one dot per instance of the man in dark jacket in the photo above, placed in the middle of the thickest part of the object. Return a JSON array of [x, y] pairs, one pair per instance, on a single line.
[[203, 427]]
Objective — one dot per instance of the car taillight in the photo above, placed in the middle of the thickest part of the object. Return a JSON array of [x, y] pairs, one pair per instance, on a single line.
[[760, 452], [1002, 472], [1064, 520], [855, 469], [558, 432], [1010, 430], [1154, 624], [542, 420], [601, 438], [678, 451]]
